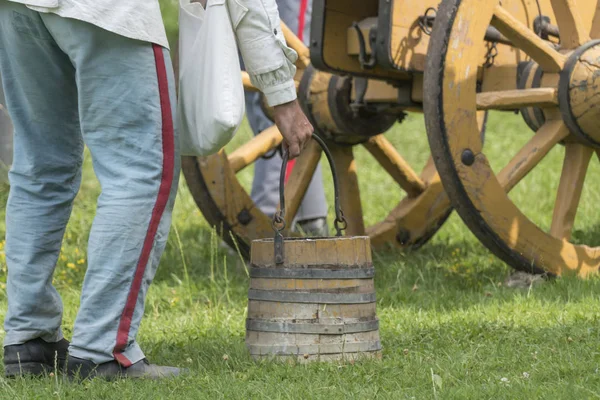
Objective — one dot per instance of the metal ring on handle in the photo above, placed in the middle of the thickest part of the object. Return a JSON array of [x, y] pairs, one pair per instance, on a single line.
[[279, 218]]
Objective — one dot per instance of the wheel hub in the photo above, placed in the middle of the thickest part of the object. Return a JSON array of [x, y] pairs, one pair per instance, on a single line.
[[531, 78], [326, 100], [579, 93]]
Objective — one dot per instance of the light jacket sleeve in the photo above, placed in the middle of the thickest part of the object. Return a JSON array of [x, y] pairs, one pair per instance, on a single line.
[[268, 60]]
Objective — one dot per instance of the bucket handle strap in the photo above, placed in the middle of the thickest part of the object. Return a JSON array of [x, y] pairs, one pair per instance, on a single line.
[[278, 222]]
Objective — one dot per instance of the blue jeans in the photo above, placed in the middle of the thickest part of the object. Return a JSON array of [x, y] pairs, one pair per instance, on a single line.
[[68, 83]]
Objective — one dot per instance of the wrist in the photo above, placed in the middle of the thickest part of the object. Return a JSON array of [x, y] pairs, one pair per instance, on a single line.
[[289, 104]]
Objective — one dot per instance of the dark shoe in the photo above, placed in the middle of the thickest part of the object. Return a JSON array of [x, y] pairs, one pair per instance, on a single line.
[[316, 227], [85, 369], [35, 357]]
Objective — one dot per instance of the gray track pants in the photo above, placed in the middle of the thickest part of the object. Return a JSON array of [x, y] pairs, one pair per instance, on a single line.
[[266, 173]]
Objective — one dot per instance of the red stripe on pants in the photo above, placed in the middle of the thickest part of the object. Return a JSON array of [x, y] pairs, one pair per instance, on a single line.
[[301, 19], [168, 166]]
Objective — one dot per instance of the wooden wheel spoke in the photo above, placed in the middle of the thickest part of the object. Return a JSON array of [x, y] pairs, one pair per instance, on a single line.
[[349, 192], [577, 159], [595, 31], [515, 99], [387, 156], [295, 43], [532, 153], [257, 147], [247, 83], [524, 38], [570, 25], [300, 178]]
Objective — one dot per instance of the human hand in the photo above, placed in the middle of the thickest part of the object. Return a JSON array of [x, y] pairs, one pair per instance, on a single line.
[[294, 127]]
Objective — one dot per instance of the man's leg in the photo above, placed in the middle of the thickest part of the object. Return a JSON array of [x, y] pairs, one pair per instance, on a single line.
[[6, 134], [39, 83], [127, 97], [296, 15]]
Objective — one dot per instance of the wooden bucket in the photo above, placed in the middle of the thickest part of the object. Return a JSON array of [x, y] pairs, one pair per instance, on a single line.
[[312, 298]]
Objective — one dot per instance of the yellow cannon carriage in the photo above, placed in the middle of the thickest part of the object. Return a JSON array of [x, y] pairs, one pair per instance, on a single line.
[[372, 61]]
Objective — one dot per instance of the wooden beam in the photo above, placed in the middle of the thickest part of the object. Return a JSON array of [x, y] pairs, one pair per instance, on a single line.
[[350, 193], [300, 178], [252, 150], [532, 153], [515, 99], [387, 156], [577, 159], [524, 38], [295, 43], [247, 83], [570, 25]]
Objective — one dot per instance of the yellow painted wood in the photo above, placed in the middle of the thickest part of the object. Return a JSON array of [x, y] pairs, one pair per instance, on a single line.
[[348, 180], [353, 44], [414, 216], [483, 189], [595, 29], [300, 178], [416, 93], [247, 84], [584, 90], [515, 99], [577, 159], [402, 173], [295, 43], [408, 45], [228, 195], [499, 77], [532, 153], [257, 147], [319, 100], [379, 92], [573, 32], [339, 16], [524, 38]]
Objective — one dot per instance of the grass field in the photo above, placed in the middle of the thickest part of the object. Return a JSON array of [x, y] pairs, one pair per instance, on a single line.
[[449, 327]]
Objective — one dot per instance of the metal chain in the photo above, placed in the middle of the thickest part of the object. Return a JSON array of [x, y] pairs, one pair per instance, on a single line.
[[426, 20], [491, 54]]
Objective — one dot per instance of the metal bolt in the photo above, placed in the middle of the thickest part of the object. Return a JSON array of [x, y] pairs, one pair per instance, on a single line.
[[403, 236], [244, 217], [468, 158]]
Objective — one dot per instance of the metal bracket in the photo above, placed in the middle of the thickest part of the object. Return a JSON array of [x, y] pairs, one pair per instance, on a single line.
[[366, 62], [360, 86]]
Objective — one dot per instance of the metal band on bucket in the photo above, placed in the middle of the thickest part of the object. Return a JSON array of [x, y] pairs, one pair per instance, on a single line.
[[261, 325], [289, 296]]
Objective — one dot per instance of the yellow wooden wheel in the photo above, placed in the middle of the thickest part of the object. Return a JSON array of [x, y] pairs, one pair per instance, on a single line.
[[562, 107], [326, 98]]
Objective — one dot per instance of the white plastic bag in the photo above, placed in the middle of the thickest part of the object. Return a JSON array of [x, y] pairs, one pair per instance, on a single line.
[[211, 92]]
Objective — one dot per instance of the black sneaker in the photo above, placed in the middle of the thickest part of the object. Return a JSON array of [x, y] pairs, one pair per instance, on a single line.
[[35, 357], [84, 369]]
